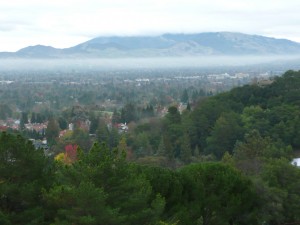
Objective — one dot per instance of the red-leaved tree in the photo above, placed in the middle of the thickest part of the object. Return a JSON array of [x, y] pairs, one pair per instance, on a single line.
[[71, 153]]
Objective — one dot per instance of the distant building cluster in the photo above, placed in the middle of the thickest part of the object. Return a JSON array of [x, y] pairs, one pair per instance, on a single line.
[[6, 82], [40, 144], [9, 124], [40, 128], [122, 127]]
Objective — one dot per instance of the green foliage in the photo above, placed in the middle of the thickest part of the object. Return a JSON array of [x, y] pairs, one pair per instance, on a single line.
[[23, 120], [118, 194], [24, 172], [226, 131], [253, 129], [102, 188], [81, 138], [220, 121], [255, 150], [172, 131], [129, 113], [256, 146], [82, 204], [280, 175], [185, 96], [217, 194], [63, 124], [186, 151], [173, 116], [142, 145], [277, 191], [52, 131], [203, 118], [5, 111]]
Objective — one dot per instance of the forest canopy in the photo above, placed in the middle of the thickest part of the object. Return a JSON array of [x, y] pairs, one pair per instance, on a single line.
[[226, 160]]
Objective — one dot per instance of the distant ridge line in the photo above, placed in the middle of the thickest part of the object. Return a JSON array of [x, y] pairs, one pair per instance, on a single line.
[[166, 45]]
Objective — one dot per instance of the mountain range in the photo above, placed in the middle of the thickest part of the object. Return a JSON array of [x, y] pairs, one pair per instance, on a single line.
[[167, 45]]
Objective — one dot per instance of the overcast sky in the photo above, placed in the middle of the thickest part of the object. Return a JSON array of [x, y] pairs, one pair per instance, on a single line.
[[64, 23]]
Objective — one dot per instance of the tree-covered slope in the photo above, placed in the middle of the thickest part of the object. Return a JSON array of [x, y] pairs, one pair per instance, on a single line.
[[217, 123], [272, 110]]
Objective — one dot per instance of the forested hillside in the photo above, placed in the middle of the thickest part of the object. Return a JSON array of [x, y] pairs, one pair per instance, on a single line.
[[272, 111], [224, 161], [223, 122]]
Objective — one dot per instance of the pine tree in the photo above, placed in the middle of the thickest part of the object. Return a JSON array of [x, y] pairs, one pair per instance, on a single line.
[[161, 147], [197, 152], [52, 131], [169, 153], [115, 117], [94, 123], [122, 148], [185, 96], [24, 172], [185, 153], [188, 107], [23, 120], [33, 117], [102, 132]]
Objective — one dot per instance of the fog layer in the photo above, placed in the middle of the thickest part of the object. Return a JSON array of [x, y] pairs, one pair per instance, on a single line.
[[136, 63]]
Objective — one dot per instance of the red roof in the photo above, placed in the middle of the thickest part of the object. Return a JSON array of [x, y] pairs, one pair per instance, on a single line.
[[3, 128]]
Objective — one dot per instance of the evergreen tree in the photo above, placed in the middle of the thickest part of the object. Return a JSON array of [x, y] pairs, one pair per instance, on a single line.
[[169, 153], [23, 120], [81, 137], [33, 117], [52, 131], [94, 123], [186, 152], [217, 194], [114, 137], [161, 147], [188, 107], [102, 132], [122, 148], [24, 174], [129, 113], [197, 152], [40, 118], [115, 117], [185, 96], [63, 124], [225, 133]]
